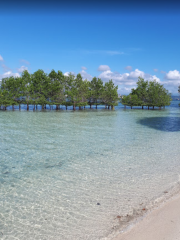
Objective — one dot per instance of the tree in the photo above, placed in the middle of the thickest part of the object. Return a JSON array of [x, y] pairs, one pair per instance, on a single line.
[[56, 92], [149, 94], [77, 90], [39, 88], [26, 87], [5, 99], [131, 100], [56, 88], [141, 92], [96, 89], [110, 95], [158, 95]]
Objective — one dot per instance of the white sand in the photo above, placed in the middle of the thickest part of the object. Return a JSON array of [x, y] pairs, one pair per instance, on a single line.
[[160, 224]]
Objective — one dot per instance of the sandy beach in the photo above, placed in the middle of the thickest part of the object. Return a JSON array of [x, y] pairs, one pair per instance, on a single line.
[[160, 224]]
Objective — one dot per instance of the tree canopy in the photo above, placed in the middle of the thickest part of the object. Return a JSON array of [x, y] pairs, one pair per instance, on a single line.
[[56, 89], [148, 94]]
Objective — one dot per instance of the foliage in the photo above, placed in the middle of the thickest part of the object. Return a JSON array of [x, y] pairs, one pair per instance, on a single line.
[[149, 94], [109, 94], [54, 88]]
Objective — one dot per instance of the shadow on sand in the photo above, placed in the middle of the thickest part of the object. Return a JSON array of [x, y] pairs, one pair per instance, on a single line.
[[166, 124]]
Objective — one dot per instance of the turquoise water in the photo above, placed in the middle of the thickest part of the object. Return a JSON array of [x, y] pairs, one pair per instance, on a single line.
[[68, 175]]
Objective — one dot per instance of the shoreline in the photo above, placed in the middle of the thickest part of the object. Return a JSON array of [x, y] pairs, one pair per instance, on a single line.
[[161, 223]]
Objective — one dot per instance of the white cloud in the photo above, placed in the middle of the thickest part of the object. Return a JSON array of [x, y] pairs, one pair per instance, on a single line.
[[86, 75], [172, 81], [155, 69], [83, 73], [1, 58], [173, 75], [22, 69], [9, 74], [127, 81], [102, 52], [66, 74], [129, 68], [103, 68], [5, 68], [137, 73], [83, 68], [24, 61]]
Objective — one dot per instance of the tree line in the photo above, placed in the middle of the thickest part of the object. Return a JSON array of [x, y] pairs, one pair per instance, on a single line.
[[148, 94], [56, 89]]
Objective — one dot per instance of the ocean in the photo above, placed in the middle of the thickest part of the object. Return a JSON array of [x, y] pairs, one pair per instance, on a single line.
[[86, 174]]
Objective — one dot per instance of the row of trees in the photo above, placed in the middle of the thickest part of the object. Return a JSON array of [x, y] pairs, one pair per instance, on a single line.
[[148, 94], [54, 88]]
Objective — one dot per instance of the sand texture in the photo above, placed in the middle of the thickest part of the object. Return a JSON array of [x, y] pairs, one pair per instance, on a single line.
[[160, 224]]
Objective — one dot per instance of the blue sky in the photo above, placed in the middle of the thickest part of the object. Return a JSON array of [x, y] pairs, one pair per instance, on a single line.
[[111, 44]]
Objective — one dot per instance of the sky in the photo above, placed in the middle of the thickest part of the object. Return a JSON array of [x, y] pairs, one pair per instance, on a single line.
[[107, 39]]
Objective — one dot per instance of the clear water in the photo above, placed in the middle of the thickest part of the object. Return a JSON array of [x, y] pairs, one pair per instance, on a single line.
[[68, 175]]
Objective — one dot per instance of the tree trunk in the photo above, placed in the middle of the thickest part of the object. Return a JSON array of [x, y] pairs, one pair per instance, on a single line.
[[74, 108], [66, 107], [90, 105], [19, 107], [56, 107], [13, 107], [112, 107], [131, 107], [108, 106], [142, 107], [153, 107], [96, 106], [84, 107], [45, 106], [148, 107], [27, 106]]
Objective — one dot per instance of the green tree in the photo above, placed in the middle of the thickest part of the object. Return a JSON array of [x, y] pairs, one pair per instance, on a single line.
[[11, 84], [77, 90], [56, 91], [26, 88], [149, 94], [158, 95], [96, 90], [110, 95], [39, 88], [141, 92], [130, 100]]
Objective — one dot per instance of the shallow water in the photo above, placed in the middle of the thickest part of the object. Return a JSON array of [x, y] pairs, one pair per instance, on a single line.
[[68, 175]]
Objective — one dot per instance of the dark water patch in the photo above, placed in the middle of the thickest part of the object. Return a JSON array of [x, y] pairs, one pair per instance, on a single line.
[[166, 124]]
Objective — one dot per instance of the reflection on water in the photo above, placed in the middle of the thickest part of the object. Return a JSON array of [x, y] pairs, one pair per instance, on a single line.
[[68, 175]]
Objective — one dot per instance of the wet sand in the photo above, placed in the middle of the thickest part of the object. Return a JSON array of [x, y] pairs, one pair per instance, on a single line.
[[160, 224]]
